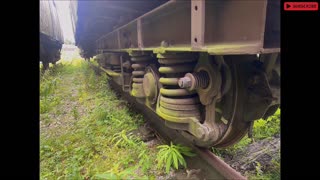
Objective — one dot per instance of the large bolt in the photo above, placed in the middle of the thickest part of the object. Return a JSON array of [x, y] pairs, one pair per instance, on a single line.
[[192, 81], [184, 82]]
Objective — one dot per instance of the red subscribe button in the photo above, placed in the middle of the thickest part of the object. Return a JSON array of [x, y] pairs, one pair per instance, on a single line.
[[301, 6]]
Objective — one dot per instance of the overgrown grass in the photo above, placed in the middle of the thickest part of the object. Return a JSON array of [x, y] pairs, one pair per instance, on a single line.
[[48, 84], [97, 144]]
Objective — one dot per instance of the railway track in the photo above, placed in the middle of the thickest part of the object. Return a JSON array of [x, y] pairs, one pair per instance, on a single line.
[[212, 167]]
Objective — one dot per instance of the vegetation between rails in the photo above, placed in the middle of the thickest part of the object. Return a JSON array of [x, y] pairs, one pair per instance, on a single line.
[[87, 133]]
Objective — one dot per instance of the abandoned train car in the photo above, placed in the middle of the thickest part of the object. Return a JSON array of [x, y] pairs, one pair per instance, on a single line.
[[207, 68]]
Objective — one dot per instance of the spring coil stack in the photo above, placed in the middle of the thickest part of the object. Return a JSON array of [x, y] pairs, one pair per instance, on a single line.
[[139, 62], [175, 103]]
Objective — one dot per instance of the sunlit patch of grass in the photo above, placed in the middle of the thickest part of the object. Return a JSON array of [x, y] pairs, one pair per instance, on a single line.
[[47, 87], [46, 119], [77, 62], [46, 104], [85, 150], [49, 81]]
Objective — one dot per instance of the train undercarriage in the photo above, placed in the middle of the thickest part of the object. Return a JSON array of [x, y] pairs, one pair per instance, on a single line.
[[207, 68], [211, 100]]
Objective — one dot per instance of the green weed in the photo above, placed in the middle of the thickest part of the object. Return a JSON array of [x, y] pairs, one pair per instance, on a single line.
[[145, 161], [122, 139], [75, 113], [169, 156]]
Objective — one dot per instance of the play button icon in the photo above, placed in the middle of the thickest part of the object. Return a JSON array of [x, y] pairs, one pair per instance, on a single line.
[[288, 6]]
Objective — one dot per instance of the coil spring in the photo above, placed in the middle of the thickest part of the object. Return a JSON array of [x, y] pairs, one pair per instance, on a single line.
[[175, 101], [140, 61]]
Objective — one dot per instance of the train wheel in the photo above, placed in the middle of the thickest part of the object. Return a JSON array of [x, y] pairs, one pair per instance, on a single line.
[[212, 100], [229, 111], [222, 90]]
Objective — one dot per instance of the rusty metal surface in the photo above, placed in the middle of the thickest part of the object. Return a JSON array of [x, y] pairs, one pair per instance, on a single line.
[[218, 27], [49, 21], [226, 171], [198, 23], [235, 21]]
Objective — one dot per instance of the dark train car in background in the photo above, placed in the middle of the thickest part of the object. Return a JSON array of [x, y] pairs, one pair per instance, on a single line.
[[51, 37], [208, 68]]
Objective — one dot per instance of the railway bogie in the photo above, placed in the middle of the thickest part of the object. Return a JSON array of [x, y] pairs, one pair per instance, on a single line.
[[211, 100], [207, 68]]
